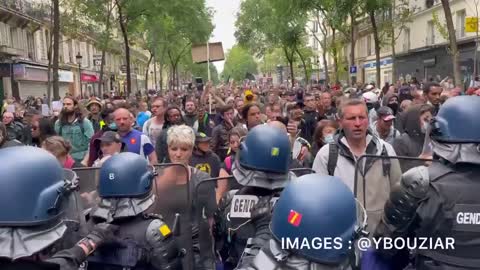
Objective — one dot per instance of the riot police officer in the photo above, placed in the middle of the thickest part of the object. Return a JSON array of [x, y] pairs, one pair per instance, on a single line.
[[262, 168], [314, 225], [144, 241], [35, 198], [441, 202]]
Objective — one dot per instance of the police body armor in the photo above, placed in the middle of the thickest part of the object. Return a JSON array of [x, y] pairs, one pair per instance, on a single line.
[[273, 257], [133, 249], [459, 218], [233, 226]]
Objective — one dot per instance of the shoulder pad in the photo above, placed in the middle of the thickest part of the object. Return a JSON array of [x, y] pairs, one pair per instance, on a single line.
[[416, 181], [157, 231]]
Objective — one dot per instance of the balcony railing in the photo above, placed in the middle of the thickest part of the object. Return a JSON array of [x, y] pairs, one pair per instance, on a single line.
[[37, 10]]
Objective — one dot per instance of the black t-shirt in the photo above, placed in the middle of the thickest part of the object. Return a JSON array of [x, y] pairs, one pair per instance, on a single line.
[[208, 163]]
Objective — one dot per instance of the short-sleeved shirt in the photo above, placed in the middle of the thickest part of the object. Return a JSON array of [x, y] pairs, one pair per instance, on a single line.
[[138, 143]]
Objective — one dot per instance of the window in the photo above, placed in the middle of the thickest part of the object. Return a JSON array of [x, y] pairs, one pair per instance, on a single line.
[[406, 39], [71, 54], [369, 45], [460, 29], [429, 3], [30, 46], [315, 27], [430, 33]]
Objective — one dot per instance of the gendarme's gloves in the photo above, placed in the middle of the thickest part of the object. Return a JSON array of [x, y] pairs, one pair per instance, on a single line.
[[101, 233]]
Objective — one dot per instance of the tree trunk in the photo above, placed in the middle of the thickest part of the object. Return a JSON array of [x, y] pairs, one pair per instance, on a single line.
[[106, 34], [377, 46], [352, 47], [453, 43], [155, 73], [307, 79], [123, 27], [324, 51], [56, 47], [49, 58], [147, 70], [335, 56], [160, 67], [394, 53], [289, 57]]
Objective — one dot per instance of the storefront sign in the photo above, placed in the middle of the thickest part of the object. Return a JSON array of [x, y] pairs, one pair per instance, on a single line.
[[383, 62], [430, 62], [65, 76], [89, 78]]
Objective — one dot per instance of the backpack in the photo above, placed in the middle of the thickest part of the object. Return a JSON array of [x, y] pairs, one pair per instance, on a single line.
[[228, 163], [333, 158], [80, 123]]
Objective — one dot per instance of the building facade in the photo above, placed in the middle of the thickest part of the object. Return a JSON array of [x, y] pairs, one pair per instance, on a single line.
[[420, 50], [24, 44]]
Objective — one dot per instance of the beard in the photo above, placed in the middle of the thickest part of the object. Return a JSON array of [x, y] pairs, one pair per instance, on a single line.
[[67, 112]]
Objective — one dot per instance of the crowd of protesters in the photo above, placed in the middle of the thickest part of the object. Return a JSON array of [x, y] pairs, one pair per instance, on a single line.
[[89, 131]]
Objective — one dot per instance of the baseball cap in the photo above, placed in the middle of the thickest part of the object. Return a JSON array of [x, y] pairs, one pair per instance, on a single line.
[[109, 137], [201, 137], [385, 113]]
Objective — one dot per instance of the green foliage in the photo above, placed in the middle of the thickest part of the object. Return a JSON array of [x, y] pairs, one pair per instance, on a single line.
[[200, 70], [441, 27], [238, 62]]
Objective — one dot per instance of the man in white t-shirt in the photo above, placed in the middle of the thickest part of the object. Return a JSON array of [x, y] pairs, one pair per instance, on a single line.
[[153, 127]]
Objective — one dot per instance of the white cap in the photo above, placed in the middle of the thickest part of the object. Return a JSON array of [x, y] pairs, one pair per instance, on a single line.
[[370, 97]]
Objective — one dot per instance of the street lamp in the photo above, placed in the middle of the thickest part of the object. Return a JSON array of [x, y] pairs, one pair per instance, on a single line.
[[79, 62]]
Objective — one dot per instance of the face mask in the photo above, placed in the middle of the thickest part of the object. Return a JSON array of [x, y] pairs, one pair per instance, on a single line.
[[112, 126], [328, 139], [370, 106], [394, 107]]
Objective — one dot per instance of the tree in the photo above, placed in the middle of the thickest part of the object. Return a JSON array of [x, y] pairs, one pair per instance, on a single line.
[[265, 24], [375, 8], [401, 15], [238, 63], [453, 43], [200, 70], [56, 47]]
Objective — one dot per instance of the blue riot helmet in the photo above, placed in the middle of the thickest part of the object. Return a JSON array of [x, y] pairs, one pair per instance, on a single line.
[[457, 121], [267, 149], [316, 208], [125, 175], [32, 187]]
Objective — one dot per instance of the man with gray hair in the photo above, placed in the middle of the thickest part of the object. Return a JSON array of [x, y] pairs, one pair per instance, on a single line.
[[340, 158]]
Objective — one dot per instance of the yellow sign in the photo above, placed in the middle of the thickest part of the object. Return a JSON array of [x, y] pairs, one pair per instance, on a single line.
[[164, 230], [275, 151], [471, 24]]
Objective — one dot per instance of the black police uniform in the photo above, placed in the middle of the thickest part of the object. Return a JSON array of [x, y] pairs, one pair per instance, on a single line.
[[142, 242], [232, 234], [434, 203], [69, 259], [441, 202]]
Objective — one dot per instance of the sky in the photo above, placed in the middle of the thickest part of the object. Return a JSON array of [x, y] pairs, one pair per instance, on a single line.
[[224, 21]]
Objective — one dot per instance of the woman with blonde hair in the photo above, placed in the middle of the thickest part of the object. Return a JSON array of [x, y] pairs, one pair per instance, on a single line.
[[171, 186]]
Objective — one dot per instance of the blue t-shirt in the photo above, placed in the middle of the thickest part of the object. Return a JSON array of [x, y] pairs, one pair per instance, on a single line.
[[142, 118], [138, 143]]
